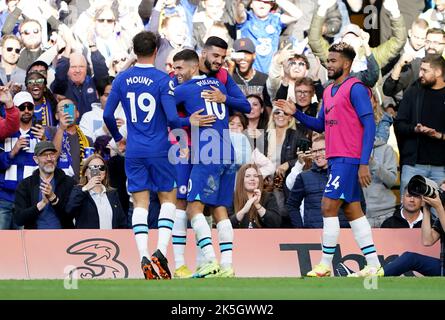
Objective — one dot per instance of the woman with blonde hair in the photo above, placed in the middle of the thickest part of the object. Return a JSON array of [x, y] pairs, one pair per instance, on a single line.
[[92, 203], [253, 207]]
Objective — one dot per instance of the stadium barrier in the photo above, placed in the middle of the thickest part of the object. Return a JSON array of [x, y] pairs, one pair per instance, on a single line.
[[60, 254]]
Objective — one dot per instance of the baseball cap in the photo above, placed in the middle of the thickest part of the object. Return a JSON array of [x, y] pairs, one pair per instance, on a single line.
[[244, 44], [38, 63], [351, 28], [22, 97], [43, 146]]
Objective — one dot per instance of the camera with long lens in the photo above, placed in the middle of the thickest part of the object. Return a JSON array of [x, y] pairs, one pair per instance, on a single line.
[[421, 186]]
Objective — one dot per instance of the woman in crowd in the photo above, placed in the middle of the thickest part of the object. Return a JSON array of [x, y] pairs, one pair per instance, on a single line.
[[258, 116], [243, 148], [92, 203], [253, 207]]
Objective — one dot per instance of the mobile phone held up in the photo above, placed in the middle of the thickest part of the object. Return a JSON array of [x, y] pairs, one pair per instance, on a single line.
[[36, 121], [95, 172], [70, 109]]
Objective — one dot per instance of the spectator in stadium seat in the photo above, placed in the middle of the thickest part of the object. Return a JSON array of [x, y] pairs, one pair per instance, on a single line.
[[69, 140], [406, 70], [436, 15], [214, 13], [420, 124], [309, 186], [408, 215], [92, 203], [40, 199], [286, 69], [44, 101], [368, 61], [16, 160], [264, 27], [72, 80], [257, 121], [9, 71], [11, 122], [91, 123], [253, 207], [249, 80], [243, 149], [172, 34], [380, 200]]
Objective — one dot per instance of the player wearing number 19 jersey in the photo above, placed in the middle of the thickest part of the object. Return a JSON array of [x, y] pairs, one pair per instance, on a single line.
[[147, 97], [348, 120]]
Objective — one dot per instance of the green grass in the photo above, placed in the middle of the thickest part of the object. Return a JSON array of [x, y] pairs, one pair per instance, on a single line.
[[227, 289]]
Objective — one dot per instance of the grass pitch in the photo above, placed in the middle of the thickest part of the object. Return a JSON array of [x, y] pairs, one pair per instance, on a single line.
[[421, 288]]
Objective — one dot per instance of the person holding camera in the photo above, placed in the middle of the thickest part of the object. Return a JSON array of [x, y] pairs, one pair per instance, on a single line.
[[16, 160], [433, 198], [92, 203]]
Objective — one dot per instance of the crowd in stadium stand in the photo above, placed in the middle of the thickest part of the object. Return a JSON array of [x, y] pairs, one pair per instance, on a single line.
[[60, 58]]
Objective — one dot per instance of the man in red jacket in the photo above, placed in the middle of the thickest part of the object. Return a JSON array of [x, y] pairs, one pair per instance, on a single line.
[[10, 124]]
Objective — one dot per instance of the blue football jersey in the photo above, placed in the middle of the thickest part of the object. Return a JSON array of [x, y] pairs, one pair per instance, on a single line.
[[147, 97], [213, 143]]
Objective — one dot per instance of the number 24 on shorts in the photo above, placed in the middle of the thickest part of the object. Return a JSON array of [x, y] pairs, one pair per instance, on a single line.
[[334, 182]]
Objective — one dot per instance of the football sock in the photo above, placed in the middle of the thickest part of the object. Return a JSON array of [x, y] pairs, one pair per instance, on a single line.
[[204, 236], [363, 236], [140, 230], [225, 237], [179, 237], [165, 225], [331, 230]]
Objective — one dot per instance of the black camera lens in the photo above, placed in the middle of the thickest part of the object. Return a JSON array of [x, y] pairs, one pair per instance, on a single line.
[[420, 186]]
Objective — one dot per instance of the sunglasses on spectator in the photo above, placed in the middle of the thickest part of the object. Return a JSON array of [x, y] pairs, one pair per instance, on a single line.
[[17, 50], [39, 81], [119, 60], [298, 63], [28, 32], [24, 106], [101, 167], [107, 20]]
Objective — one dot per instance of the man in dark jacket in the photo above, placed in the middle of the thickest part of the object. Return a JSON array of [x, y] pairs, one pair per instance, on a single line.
[[409, 215], [73, 82], [420, 124], [40, 199], [309, 185]]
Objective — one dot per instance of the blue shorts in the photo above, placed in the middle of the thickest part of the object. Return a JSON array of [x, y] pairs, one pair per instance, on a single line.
[[212, 184], [182, 178], [343, 181], [155, 174]]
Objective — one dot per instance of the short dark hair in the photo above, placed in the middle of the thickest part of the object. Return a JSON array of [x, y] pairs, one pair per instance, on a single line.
[[216, 42], [145, 43], [436, 61], [188, 55], [344, 49], [242, 118], [436, 31], [102, 83]]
